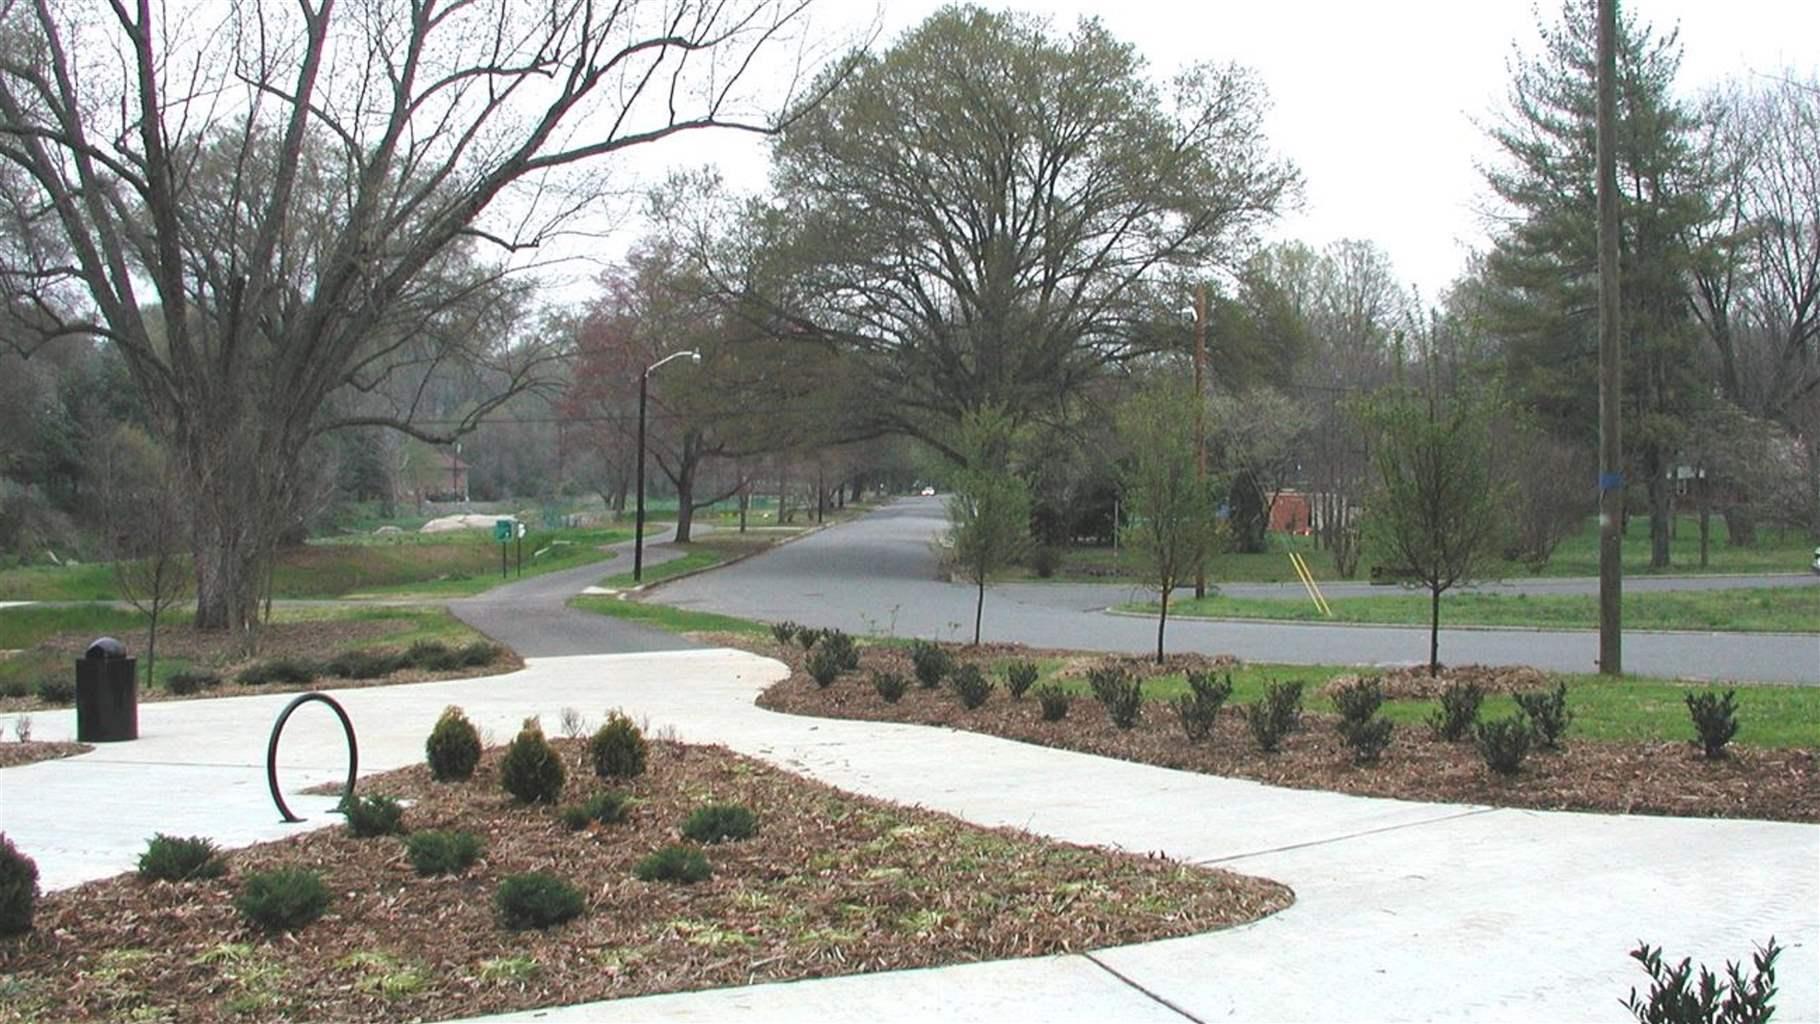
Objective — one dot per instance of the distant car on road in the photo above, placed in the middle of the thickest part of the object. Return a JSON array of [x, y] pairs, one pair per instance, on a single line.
[[928, 492]]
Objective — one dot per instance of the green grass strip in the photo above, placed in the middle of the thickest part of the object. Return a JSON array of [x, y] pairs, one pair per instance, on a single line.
[[676, 620]]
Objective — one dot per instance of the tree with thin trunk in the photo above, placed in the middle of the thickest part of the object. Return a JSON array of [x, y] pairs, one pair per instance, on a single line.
[[990, 508], [1436, 508], [1173, 527], [148, 532]]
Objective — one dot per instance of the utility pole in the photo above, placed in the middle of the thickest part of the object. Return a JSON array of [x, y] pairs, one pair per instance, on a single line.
[[1611, 359], [1200, 417]]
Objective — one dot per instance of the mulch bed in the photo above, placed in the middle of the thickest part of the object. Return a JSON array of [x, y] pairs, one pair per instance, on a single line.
[[1414, 682], [12, 755], [1624, 778], [831, 884]]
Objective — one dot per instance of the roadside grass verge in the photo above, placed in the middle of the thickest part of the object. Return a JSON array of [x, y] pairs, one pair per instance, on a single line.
[[675, 620], [706, 553], [1743, 610]]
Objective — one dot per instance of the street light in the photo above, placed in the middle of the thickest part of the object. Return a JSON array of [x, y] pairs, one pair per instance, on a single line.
[[1200, 403], [638, 537]]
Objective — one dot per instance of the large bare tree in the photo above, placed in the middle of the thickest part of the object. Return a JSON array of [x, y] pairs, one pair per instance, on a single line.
[[289, 216]]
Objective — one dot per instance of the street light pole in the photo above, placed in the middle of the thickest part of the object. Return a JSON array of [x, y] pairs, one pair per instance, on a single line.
[[638, 524], [1200, 405]]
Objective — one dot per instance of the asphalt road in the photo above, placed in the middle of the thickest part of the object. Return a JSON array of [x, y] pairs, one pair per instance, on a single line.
[[877, 575]]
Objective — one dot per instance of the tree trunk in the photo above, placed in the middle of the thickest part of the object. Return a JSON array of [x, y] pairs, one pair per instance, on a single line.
[[1661, 512], [1434, 632], [1706, 531], [1162, 620], [1740, 526], [745, 506], [1813, 488], [979, 609], [685, 495], [227, 576]]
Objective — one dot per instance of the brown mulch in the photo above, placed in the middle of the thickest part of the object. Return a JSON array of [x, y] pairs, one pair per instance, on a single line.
[[12, 755], [832, 884], [1614, 777], [1414, 682]]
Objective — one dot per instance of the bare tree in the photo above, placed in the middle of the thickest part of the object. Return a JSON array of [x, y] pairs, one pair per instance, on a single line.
[[277, 213]]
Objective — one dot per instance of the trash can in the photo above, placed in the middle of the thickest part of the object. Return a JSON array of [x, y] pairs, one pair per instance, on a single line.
[[107, 693]]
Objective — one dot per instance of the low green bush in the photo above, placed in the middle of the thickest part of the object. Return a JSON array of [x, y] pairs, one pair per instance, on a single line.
[[674, 863], [720, 823], [530, 769], [18, 889], [1359, 700], [1504, 743], [1458, 713], [284, 671], [618, 749], [1715, 720], [536, 899], [1274, 716], [282, 900], [1020, 676], [1119, 692], [970, 685], [784, 632], [1199, 708], [1674, 997], [435, 852], [188, 681], [808, 636], [1054, 702], [843, 648], [175, 859], [453, 749], [55, 690], [433, 656], [1367, 739], [371, 816], [15, 688], [890, 685], [931, 662], [605, 808], [823, 666], [1548, 714], [476, 653], [364, 664]]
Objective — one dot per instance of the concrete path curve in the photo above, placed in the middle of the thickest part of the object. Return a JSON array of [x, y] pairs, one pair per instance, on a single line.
[[1404, 910]]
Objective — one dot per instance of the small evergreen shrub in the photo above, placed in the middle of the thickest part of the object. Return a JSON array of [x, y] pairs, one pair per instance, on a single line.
[[1459, 711], [931, 661], [1736, 1000], [618, 748], [842, 647], [530, 769], [784, 632], [823, 665], [536, 899], [363, 664], [56, 690], [174, 859], [1275, 715], [188, 681], [1199, 708], [18, 889], [808, 636], [1548, 714], [1715, 720], [1358, 701], [1054, 701], [15, 688], [1119, 692], [720, 823], [1020, 676], [453, 748], [433, 656], [674, 863], [602, 808], [890, 685], [475, 653], [370, 816], [1367, 738], [970, 685], [284, 671], [282, 900], [1045, 559], [1504, 743], [442, 853]]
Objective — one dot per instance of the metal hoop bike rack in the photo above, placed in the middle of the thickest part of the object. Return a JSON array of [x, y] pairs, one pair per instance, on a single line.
[[271, 750]]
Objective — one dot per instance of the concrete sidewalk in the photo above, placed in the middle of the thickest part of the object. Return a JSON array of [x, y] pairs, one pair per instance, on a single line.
[[1404, 910]]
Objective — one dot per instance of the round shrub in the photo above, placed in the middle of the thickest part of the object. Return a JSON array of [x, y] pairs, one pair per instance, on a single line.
[[442, 853], [618, 749], [530, 769], [1020, 676], [1504, 743], [453, 748], [363, 664], [823, 665], [536, 899], [285, 671], [173, 859], [931, 661], [433, 656], [54, 690], [191, 681], [682, 864], [970, 685], [18, 889], [890, 685], [282, 900], [601, 808], [719, 823], [1054, 701], [477, 653], [1458, 712], [370, 816]]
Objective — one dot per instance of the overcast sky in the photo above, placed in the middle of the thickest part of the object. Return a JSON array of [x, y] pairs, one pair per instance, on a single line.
[[1376, 102]]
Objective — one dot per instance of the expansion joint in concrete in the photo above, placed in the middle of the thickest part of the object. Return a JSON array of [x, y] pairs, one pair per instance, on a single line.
[[1152, 996], [1350, 835]]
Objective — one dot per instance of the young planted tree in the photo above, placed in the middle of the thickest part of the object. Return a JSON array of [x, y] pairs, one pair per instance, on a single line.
[[1173, 527], [1435, 509], [147, 531], [989, 511]]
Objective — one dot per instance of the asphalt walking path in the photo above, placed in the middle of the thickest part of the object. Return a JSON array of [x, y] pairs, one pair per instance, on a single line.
[[1403, 910]]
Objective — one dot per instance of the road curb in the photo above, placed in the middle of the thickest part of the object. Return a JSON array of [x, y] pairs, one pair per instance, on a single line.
[[1471, 628]]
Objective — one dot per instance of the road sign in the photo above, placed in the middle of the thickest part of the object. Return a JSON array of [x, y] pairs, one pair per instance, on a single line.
[[502, 530], [521, 531]]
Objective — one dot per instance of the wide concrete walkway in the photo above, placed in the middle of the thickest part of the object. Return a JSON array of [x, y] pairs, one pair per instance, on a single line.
[[1404, 910]]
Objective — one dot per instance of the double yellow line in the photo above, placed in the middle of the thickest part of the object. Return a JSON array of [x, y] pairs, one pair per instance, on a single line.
[[1308, 584]]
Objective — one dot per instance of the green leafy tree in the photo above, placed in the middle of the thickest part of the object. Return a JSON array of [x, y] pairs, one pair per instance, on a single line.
[[1173, 527], [989, 511], [1435, 507]]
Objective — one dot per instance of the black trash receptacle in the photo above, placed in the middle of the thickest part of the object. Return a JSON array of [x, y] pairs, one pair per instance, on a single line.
[[107, 693]]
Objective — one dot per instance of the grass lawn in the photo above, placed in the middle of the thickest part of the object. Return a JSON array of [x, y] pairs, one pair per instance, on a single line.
[[1748, 610], [705, 553], [676, 620]]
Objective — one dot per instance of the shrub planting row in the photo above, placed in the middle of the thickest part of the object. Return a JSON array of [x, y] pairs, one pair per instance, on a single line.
[[428, 655]]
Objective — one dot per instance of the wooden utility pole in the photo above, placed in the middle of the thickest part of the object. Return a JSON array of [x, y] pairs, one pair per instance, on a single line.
[[1200, 416], [1611, 359]]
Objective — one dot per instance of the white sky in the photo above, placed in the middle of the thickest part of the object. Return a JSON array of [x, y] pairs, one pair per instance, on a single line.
[[1375, 102]]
